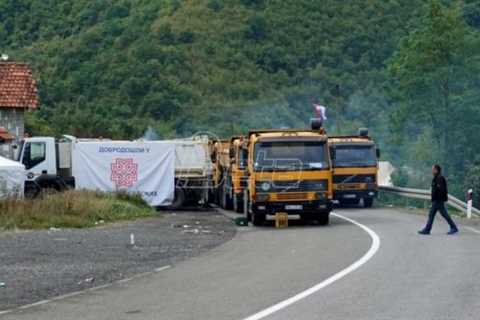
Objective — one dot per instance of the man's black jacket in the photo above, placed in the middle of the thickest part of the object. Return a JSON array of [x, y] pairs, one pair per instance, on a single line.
[[439, 189]]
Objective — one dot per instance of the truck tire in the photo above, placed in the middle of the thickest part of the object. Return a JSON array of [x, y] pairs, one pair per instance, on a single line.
[[324, 219], [179, 199], [367, 202], [223, 198], [258, 219], [32, 190], [349, 202], [226, 199], [219, 196], [249, 209], [237, 203]]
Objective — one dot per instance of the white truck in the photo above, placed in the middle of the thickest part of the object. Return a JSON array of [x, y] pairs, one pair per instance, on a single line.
[[193, 171], [59, 164]]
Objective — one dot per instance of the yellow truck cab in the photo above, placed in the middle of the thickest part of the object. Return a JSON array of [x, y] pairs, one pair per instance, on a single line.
[[355, 168], [290, 172], [238, 167]]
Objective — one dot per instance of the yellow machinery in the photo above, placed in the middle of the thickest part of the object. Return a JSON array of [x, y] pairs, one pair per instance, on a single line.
[[237, 171], [355, 168], [289, 171], [230, 161]]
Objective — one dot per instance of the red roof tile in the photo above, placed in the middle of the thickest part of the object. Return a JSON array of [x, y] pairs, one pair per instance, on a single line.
[[17, 86]]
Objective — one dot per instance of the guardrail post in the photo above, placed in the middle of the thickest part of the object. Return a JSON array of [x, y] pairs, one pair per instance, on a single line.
[[469, 203]]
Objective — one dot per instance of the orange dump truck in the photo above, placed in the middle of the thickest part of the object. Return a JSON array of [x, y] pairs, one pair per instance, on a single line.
[[355, 168], [290, 172]]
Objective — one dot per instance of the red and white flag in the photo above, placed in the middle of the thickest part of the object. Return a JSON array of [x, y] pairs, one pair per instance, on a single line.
[[321, 111]]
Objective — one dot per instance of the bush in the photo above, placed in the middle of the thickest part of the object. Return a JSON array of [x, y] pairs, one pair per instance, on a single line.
[[72, 209]]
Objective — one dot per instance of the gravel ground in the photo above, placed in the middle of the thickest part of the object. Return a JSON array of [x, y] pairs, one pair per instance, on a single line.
[[37, 265]]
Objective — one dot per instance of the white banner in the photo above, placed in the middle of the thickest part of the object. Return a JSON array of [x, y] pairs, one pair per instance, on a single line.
[[12, 179], [146, 167]]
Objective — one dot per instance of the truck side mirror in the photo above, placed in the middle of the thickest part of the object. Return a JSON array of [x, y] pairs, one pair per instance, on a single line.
[[232, 154], [378, 153]]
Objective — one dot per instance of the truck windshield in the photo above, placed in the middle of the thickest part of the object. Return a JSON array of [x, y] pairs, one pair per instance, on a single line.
[[290, 156], [354, 156]]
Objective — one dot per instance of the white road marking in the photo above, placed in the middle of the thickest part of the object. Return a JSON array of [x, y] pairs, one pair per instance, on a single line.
[[302, 295], [472, 229], [77, 293], [162, 268], [39, 303]]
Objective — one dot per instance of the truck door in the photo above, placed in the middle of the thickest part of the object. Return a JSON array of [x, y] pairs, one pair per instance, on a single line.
[[34, 158]]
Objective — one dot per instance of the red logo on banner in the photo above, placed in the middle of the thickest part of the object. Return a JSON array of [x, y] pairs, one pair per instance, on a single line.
[[124, 172]]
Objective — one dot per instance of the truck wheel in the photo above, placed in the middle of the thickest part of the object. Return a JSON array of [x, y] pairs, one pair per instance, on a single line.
[[258, 219], [226, 200], [349, 202], [31, 191], [223, 199], [237, 203], [179, 199], [49, 191], [249, 209], [324, 219], [367, 202]]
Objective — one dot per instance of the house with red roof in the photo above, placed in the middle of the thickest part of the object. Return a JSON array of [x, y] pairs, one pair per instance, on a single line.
[[18, 94]]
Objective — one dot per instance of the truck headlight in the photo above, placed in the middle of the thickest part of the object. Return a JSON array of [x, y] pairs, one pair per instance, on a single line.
[[265, 186]]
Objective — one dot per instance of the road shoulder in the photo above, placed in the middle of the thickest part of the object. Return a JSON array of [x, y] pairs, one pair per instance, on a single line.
[[39, 265]]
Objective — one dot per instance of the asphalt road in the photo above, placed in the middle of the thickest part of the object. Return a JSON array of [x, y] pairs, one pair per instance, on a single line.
[[409, 277], [38, 265]]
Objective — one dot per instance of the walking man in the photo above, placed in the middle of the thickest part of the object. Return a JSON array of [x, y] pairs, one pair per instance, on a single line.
[[439, 197]]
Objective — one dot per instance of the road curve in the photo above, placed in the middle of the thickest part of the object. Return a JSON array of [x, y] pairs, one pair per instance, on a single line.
[[410, 277]]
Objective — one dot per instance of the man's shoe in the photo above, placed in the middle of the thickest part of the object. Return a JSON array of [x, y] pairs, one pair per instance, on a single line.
[[424, 232], [453, 231]]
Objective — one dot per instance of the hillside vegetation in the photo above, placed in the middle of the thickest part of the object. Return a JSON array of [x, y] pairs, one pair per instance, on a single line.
[[405, 69]]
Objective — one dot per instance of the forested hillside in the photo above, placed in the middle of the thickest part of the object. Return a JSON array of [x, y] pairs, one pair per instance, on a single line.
[[405, 69]]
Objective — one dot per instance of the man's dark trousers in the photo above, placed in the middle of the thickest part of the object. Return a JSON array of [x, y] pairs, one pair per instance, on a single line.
[[439, 206]]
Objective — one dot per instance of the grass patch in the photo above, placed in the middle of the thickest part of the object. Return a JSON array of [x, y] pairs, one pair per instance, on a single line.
[[72, 209]]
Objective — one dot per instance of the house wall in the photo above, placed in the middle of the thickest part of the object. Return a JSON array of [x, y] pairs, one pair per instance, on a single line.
[[13, 120]]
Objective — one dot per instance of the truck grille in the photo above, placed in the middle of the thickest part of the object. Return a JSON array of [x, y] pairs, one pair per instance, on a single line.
[[288, 196], [354, 178], [354, 186], [296, 186]]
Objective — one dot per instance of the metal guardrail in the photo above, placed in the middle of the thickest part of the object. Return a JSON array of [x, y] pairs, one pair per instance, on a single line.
[[425, 195]]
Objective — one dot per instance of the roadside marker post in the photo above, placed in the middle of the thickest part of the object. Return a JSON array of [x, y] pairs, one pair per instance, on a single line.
[[469, 203]]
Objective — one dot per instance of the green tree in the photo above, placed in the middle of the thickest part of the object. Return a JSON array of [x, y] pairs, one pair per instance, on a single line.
[[434, 69]]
